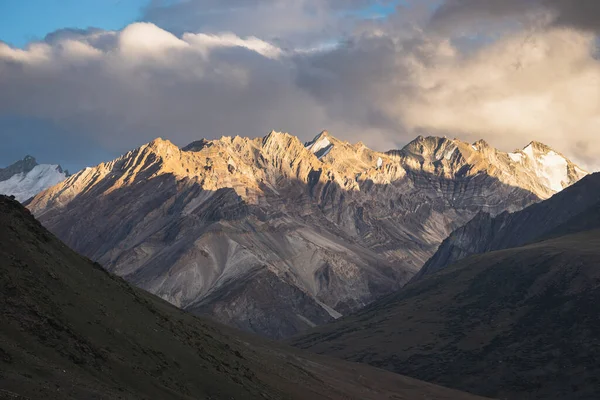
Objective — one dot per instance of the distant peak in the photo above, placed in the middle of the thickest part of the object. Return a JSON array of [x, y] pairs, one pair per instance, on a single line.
[[198, 145], [322, 135], [536, 149], [320, 145], [157, 141], [276, 136], [22, 166], [535, 145], [430, 139], [481, 144], [160, 144], [276, 133], [425, 144]]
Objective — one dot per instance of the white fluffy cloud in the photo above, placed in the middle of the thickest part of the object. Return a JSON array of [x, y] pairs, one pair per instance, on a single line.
[[144, 82], [383, 84]]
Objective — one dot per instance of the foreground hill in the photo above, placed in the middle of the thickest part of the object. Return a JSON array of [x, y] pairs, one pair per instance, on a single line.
[[519, 323], [70, 330], [275, 236]]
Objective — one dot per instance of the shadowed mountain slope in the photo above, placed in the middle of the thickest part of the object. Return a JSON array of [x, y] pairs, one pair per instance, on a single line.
[[519, 323], [70, 330], [571, 210]]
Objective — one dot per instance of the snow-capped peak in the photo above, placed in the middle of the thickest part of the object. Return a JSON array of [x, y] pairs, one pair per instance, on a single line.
[[25, 183], [554, 169]]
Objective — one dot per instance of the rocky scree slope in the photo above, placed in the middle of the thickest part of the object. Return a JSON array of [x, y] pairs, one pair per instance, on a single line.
[[519, 323], [274, 236], [70, 330]]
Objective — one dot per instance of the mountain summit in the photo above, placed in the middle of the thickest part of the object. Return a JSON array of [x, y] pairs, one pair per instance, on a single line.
[[537, 167], [320, 145], [275, 236]]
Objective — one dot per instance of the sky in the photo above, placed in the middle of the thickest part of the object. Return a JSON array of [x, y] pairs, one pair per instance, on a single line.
[[82, 82], [22, 21]]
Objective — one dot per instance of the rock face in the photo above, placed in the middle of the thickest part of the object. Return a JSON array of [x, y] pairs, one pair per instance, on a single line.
[[519, 323], [485, 233], [26, 178], [70, 330], [275, 236]]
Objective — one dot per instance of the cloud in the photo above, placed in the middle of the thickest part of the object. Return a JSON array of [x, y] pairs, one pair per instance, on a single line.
[[383, 84], [579, 14], [146, 82], [289, 23], [523, 87]]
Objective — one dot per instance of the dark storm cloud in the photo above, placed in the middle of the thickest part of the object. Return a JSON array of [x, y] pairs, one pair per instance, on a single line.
[[579, 14]]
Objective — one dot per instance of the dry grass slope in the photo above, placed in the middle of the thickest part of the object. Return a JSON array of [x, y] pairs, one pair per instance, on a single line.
[[520, 323]]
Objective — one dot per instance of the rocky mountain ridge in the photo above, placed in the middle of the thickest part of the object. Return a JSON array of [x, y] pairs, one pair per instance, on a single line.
[[274, 236]]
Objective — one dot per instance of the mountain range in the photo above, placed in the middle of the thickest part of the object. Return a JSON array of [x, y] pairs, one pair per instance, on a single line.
[[70, 330], [519, 322], [445, 261], [26, 178], [275, 236]]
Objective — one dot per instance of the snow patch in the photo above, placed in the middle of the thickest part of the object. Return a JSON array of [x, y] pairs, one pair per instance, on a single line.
[[529, 151], [549, 166], [554, 168], [319, 145], [379, 162], [516, 157]]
